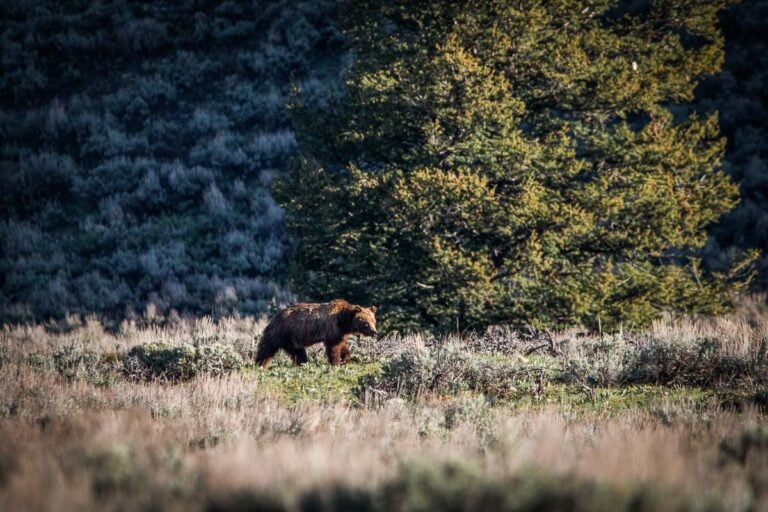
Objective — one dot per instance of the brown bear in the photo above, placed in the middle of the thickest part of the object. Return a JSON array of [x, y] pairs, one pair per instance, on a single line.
[[301, 325]]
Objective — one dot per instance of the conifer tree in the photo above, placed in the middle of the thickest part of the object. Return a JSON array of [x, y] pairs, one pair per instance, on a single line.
[[495, 161]]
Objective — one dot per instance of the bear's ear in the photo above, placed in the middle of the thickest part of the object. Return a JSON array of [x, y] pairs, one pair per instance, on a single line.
[[373, 309], [358, 308]]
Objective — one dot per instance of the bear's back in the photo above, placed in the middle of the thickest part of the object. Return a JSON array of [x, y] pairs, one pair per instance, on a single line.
[[307, 322]]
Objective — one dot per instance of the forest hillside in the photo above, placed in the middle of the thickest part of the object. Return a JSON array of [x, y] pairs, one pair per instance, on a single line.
[[141, 142]]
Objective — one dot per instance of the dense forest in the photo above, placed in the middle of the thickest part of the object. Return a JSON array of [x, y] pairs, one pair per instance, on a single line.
[[141, 141]]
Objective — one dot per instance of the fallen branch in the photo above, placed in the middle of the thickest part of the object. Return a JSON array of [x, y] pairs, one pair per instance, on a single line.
[[531, 350]]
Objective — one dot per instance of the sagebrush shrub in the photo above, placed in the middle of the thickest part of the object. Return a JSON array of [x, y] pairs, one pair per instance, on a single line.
[[5, 356], [217, 359], [158, 360], [181, 362], [74, 361], [749, 451], [449, 369], [596, 363], [701, 363]]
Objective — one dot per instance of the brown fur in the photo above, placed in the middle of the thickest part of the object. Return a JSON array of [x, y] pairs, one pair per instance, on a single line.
[[301, 325]]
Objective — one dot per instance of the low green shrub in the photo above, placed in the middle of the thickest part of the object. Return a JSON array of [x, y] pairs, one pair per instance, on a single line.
[[447, 370], [469, 408], [39, 362], [701, 363], [159, 360], [243, 345], [179, 362], [451, 367], [598, 363], [614, 362], [217, 359], [760, 398], [74, 361]]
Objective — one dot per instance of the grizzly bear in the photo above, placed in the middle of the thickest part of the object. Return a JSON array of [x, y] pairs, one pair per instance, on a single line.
[[301, 325]]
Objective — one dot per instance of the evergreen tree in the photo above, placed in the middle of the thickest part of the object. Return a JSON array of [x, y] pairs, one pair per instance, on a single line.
[[495, 161]]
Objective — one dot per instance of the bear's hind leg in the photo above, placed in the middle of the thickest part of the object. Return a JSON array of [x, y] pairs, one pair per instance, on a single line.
[[298, 355], [333, 353]]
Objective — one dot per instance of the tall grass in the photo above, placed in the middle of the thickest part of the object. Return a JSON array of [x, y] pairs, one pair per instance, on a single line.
[[234, 442]]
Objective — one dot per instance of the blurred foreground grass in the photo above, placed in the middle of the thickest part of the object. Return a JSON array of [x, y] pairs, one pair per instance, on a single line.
[[176, 416]]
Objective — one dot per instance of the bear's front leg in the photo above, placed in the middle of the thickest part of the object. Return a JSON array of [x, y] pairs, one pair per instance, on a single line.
[[265, 353], [333, 352], [344, 353]]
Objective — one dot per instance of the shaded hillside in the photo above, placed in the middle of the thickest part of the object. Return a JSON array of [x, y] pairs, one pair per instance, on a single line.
[[739, 94], [140, 140]]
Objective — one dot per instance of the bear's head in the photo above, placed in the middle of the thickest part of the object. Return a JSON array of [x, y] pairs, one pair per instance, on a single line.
[[364, 321]]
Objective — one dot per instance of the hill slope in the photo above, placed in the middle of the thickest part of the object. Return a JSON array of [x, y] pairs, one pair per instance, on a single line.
[[139, 144]]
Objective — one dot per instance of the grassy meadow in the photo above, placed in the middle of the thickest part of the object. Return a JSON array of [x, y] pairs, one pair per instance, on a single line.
[[173, 415]]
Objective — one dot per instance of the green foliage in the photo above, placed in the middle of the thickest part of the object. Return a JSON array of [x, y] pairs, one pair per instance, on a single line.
[[698, 363], [451, 369], [158, 360], [74, 361], [180, 362], [217, 359], [314, 381], [658, 400], [610, 372], [496, 163], [599, 363]]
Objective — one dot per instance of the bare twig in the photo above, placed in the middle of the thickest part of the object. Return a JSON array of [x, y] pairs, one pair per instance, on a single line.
[[531, 350], [588, 390], [553, 348]]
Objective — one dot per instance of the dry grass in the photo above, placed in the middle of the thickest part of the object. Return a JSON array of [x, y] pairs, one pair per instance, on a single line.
[[72, 445], [143, 445]]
